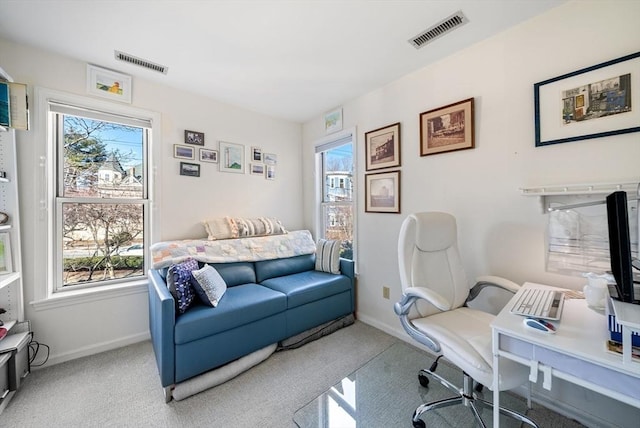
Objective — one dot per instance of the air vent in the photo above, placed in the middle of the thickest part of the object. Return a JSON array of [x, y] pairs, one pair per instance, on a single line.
[[121, 56], [438, 30]]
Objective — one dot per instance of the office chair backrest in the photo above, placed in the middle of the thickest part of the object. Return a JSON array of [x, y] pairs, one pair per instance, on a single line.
[[428, 257]]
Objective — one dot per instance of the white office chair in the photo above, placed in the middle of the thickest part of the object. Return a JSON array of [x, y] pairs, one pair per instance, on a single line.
[[434, 312]]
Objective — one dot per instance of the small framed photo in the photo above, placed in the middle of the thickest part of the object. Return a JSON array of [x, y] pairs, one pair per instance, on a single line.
[[193, 137], [108, 84], [232, 157], [190, 169], [270, 158], [183, 152], [207, 155], [257, 169], [382, 147], [333, 121], [5, 254], [256, 154], [382, 192], [447, 128], [270, 172]]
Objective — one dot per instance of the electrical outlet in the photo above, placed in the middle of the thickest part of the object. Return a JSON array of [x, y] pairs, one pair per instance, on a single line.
[[385, 292]]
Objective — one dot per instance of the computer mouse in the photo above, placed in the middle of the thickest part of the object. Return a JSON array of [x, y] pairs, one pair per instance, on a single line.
[[539, 325]]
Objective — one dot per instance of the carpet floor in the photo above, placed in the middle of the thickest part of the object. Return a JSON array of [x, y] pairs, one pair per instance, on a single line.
[[121, 388]]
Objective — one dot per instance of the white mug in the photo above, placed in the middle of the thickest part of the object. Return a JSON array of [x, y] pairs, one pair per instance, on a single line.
[[595, 292]]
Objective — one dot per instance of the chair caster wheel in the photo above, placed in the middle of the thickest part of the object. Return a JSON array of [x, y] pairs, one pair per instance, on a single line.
[[424, 380], [419, 424]]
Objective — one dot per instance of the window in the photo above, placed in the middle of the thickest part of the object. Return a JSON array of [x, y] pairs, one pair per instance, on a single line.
[[336, 172], [100, 190]]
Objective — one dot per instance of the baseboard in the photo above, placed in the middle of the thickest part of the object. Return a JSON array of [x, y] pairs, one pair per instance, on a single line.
[[93, 349]]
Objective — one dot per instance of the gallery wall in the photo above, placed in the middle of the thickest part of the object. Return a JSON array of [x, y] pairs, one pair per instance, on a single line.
[[77, 329], [500, 231]]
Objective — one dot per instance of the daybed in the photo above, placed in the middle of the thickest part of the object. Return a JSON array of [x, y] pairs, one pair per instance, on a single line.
[[273, 292]]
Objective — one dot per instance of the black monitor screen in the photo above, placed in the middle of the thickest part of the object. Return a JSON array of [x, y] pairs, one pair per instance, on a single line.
[[620, 246]]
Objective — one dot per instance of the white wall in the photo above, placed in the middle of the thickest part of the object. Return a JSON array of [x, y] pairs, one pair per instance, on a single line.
[[500, 231], [81, 329]]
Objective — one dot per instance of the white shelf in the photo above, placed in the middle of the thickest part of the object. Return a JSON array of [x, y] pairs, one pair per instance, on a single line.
[[8, 278]]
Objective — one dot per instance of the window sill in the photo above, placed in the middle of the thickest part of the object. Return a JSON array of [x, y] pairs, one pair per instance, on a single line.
[[78, 297]]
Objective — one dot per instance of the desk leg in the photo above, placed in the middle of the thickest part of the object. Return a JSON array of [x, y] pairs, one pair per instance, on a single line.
[[496, 379]]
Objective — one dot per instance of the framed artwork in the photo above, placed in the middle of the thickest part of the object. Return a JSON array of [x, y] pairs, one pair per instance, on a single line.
[[108, 84], [256, 154], [193, 137], [5, 254], [270, 171], [207, 155], [183, 152], [333, 121], [190, 169], [447, 128], [382, 192], [232, 157], [597, 101], [382, 147], [270, 158], [257, 169]]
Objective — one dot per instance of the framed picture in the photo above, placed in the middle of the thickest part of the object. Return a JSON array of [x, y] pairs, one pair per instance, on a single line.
[[270, 172], [333, 121], [108, 84], [190, 169], [447, 128], [257, 169], [193, 137], [589, 103], [232, 157], [256, 154], [5, 254], [183, 152], [382, 192], [270, 158], [207, 155], [382, 147]]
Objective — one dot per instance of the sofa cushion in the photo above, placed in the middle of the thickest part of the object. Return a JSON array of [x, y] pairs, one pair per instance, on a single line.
[[209, 285], [179, 283], [236, 273], [241, 305], [266, 269], [309, 286]]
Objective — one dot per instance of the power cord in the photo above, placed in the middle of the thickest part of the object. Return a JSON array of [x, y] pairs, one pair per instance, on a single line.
[[34, 348]]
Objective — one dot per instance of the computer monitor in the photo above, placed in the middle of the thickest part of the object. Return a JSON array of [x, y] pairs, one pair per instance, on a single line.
[[620, 248]]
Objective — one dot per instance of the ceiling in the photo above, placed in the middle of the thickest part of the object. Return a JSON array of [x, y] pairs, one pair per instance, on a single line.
[[288, 59]]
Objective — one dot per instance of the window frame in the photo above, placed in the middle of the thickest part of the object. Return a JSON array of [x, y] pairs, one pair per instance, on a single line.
[[46, 293]]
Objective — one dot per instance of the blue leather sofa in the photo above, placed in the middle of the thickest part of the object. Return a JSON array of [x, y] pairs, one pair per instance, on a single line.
[[265, 302]]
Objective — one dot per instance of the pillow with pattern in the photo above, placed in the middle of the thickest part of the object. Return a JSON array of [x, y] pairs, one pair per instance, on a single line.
[[209, 285], [328, 256], [179, 283]]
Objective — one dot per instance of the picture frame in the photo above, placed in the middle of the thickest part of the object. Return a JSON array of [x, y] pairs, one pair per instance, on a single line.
[[597, 101], [6, 265], [183, 152], [190, 169], [270, 172], [382, 192], [270, 158], [258, 169], [256, 154], [109, 84], [333, 121], [207, 155], [448, 128], [382, 147], [231, 157], [193, 137]]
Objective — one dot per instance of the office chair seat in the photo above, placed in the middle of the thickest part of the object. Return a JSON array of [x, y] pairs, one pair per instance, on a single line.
[[434, 312]]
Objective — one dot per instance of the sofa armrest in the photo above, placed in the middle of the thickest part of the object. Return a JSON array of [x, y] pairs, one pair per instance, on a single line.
[[162, 319], [348, 268]]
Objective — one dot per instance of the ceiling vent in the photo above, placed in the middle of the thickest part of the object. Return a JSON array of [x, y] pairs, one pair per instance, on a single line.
[[121, 56], [438, 30]]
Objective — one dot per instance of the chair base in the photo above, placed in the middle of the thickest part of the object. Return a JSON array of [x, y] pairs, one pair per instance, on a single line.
[[465, 396]]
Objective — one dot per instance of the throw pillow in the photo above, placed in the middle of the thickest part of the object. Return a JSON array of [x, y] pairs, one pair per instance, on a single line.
[[179, 283], [220, 228], [328, 256], [209, 285], [260, 226]]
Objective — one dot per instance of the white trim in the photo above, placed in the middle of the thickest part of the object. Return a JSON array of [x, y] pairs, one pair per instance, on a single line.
[[86, 295]]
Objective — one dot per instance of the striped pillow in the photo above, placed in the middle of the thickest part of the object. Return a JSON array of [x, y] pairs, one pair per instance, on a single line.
[[328, 256]]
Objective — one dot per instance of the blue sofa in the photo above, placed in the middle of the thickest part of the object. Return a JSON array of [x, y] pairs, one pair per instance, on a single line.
[[265, 302]]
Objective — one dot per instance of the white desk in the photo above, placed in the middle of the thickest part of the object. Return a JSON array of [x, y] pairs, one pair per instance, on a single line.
[[576, 352]]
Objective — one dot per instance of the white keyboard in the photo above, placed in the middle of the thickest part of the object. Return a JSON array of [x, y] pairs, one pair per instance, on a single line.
[[539, 303]]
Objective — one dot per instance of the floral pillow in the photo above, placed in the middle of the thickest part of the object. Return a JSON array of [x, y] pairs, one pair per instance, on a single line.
[[179, 283]]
